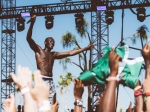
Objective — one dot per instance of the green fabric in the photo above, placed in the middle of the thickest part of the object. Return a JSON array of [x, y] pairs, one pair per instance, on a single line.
[[131, 73], [99, 73], [101, 68]]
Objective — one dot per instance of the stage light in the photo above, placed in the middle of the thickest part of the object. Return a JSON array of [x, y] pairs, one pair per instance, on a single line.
[[49, 22], [109, 17], [141, 14], [79, 21], [20, 24]]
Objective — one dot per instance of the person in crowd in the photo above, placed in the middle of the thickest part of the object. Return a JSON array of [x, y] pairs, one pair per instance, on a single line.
[[34, 99], [108, 101], [130, 109], [146, 83], [138, 94], [78, 91], [10, 104]]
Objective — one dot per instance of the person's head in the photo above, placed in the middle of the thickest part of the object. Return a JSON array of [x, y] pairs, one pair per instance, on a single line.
[[49, 43]]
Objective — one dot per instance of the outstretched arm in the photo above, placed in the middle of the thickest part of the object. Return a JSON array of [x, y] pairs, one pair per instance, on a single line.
[[29, 39], [60, 55]]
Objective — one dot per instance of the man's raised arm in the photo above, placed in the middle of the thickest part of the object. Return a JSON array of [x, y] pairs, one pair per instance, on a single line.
[[29, 39]]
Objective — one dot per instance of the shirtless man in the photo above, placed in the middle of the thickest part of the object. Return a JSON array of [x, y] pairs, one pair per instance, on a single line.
[[45, 58]]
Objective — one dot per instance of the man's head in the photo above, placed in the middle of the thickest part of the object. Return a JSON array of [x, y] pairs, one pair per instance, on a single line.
[[49, 43]]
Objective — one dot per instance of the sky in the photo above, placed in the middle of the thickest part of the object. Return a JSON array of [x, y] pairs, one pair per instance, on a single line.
[[63, 23]]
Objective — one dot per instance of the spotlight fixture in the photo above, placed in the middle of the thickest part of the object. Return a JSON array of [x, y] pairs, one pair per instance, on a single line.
[[141, 14], [49, 22], [109, 17], [79, 20], [20, 24]]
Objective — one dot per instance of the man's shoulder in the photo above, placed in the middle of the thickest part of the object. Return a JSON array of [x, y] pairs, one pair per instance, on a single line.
[[54, 53]]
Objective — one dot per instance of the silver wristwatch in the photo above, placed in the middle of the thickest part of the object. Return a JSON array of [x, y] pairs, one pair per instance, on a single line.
[[78, 102]]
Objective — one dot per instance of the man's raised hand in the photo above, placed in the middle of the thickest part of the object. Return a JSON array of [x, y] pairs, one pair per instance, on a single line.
[[90, 47]]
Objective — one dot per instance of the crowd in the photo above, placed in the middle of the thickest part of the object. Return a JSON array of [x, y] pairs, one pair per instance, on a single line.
[[37, 101]]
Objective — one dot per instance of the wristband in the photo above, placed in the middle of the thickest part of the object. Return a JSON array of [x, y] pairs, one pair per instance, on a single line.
[[44, 106], [138, 94], [25, 90], [137, 88], [147, 66], [147, 94], [110, 78]]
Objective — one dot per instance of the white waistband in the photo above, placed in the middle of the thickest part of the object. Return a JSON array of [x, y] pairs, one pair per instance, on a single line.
[[46, 77]]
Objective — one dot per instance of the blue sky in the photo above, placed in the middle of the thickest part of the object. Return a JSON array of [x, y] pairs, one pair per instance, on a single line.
[[63, 23]]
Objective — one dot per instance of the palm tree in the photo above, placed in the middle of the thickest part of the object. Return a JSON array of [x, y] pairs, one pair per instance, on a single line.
[[64, 83], [70, 41], [141, 33], [121, 110]]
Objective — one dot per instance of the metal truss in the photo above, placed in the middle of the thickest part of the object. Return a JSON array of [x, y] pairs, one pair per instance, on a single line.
[[99, 31], [8, 53], [70, 7], [48, 9], [100, 37]]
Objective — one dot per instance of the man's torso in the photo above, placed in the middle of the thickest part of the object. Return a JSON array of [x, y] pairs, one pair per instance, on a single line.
[[45, 61]]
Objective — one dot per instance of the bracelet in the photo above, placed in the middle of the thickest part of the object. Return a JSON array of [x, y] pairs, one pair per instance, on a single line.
[[25, 90], [44, 106], [138, 94], [137, 88], [147, 94], [147, 66], [111, 78]]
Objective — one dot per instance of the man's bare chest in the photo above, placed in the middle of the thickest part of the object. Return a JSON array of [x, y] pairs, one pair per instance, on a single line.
[[45, 57]]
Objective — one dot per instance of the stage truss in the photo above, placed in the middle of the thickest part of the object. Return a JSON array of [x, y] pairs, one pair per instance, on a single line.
[[99, 32]]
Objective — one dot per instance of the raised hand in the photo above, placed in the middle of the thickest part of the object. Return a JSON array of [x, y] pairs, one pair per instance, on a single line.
[[90, 47], [130, 109], [55, 107], [114, 62], [33, 18], [23, 77], [146, 53], [9, 104], [78, 89], [40, 92]]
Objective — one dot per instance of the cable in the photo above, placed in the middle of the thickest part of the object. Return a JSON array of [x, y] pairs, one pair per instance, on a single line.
[[25, 55], [133, 10], [62, 107], [129, 95]]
